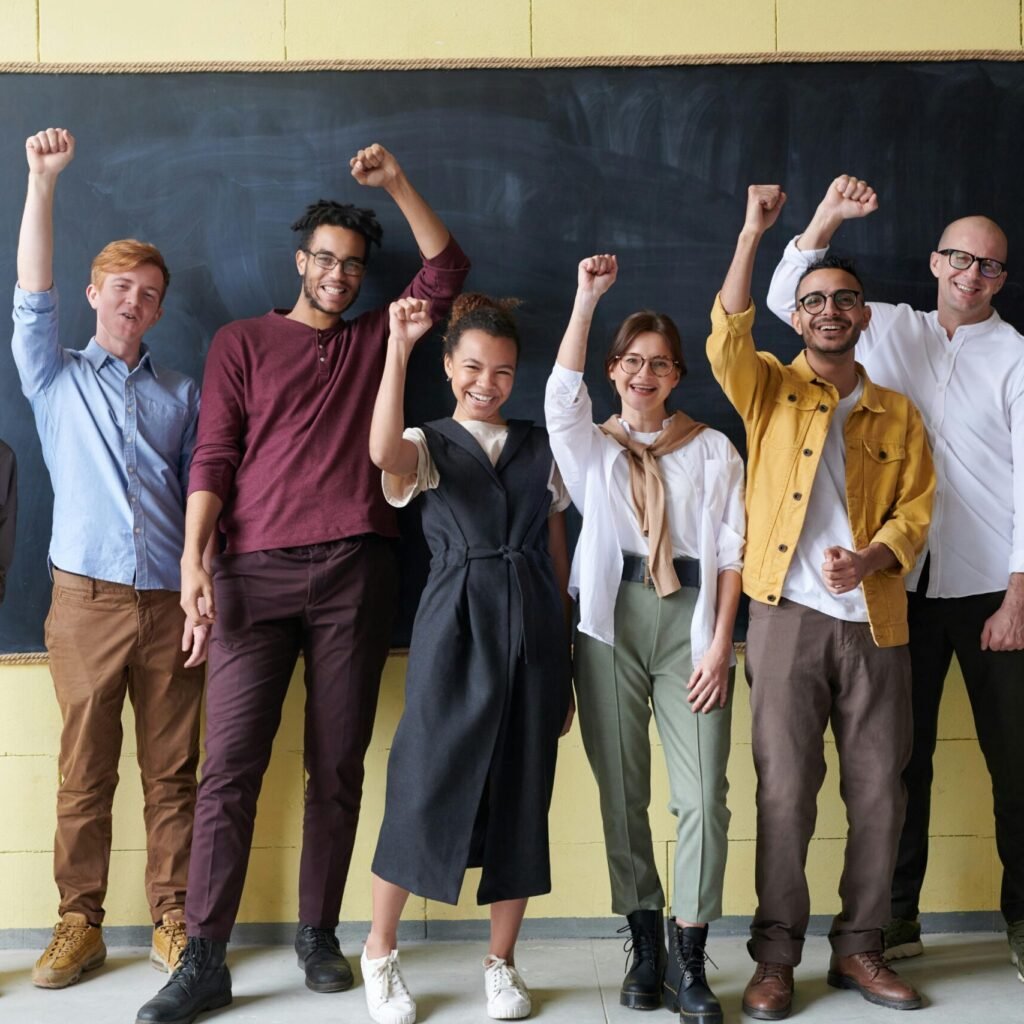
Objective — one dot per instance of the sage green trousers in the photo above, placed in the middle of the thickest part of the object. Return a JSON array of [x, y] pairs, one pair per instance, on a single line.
[[616, 690]]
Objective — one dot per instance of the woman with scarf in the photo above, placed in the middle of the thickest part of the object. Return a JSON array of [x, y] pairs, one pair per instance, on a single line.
[[657, 575]]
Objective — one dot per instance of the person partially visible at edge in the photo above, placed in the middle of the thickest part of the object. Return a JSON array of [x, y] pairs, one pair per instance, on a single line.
[[8, 512], [657, 574], [838, 506], [488, 691], [117, 432], [963, 366], [282, 468]]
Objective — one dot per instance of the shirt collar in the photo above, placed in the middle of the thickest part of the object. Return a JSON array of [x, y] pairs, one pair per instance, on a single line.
[[870, 398], [98, 357]]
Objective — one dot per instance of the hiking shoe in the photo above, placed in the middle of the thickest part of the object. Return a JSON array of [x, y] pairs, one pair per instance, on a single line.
[[76, 947], [169, 940]]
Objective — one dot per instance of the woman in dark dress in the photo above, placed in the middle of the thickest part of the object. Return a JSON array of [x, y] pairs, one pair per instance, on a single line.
[[488, 684]]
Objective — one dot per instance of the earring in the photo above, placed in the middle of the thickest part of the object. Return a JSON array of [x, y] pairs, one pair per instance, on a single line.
[[447, 378]]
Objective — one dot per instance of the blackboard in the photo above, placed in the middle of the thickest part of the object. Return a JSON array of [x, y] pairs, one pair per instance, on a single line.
[[532, 169]]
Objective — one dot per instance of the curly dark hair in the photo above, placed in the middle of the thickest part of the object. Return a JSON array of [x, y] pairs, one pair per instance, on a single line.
[[339, 215], [476, 311]]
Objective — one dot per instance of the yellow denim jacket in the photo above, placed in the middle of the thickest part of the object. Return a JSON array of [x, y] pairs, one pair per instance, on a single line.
[[889, 476]]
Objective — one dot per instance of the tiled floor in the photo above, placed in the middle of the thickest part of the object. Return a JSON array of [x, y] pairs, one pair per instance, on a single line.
[[965, 978]]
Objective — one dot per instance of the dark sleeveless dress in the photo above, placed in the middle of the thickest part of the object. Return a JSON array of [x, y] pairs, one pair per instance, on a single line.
[[487, 688]]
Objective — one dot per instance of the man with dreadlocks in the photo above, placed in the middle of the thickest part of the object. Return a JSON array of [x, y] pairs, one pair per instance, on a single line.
[[282, 467]]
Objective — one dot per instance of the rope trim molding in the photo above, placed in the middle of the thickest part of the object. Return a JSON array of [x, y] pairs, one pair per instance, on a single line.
[[465, 63]]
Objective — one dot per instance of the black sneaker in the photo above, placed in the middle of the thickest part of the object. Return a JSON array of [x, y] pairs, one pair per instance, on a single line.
[[201, 982], [686, 985], [641, 988], [321, 958]]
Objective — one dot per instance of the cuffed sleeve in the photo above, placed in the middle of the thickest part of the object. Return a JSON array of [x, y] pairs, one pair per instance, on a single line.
[[400, 490], [568, 415], [37, 351]]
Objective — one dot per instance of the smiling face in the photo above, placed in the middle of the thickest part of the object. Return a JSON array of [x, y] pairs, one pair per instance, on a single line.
[[643, 394], [965, 296], [482, 369], [831, 332], [127, 304], [326, 294]]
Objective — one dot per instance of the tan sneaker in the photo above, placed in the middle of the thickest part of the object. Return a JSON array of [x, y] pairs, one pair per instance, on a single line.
[[169, 941], [76, 946]]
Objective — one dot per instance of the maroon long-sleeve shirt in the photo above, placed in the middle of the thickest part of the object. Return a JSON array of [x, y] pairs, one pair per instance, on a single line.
[[284, 427]]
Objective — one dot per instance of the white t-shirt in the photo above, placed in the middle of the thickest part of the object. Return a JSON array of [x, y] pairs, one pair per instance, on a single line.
[[826, 525]]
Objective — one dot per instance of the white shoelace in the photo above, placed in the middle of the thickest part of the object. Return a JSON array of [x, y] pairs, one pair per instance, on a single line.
[[387, 977], [501, 977]]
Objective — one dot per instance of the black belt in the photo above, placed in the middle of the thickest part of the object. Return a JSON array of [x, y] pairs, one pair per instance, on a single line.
[[635, 570]]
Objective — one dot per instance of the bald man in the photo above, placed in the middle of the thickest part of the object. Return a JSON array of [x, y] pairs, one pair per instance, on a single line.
[[963, 367]]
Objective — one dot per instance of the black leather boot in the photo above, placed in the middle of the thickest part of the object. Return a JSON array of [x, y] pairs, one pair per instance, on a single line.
[[321, 958], [201, 982], [686, 986], [641, 988]]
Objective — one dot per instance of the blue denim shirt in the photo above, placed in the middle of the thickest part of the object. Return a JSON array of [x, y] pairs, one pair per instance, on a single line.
[[117, 444]]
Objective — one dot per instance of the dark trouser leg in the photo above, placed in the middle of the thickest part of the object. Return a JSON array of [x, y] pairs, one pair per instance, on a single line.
[[253, 651], [346, 633], [872, 728], [931, 652], [789, 665], [995, 685], [167, 698]]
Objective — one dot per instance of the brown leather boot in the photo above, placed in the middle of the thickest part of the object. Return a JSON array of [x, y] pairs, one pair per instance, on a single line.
[[874, 979], [769, 993]]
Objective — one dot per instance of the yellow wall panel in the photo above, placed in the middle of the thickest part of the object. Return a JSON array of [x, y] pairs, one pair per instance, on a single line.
[[888, 25], [963, 873], [30, 727], [565, 28], [29, 786], [147, 30], [18, 39], [324, 29], [29, 895]]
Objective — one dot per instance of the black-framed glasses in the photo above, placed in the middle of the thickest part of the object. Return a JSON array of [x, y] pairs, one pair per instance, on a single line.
[[660, 366], [842, 298], [350, 267], [960, 260]]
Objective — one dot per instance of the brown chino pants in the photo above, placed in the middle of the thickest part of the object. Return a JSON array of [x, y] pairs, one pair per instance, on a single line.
[[805, 670], [333, 602], [106, 640]]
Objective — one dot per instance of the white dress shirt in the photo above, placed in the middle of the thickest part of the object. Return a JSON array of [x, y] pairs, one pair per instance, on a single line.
[[703, 497], [970, 392]]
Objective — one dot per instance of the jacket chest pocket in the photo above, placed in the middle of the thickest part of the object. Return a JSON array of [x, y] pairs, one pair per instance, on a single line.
[[882, 463], [791, 417]]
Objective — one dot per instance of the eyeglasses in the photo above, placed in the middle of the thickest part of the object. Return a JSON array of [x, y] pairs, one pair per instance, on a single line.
[[351, 266], [842, 298], [960, 260], [660, 366]]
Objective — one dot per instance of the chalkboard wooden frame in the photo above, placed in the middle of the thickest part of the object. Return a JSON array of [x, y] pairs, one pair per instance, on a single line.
[[533, 164]]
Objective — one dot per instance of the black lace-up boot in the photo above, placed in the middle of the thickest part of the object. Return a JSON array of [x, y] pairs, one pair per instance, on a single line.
[[686, 985], [641, 988], [201, 982], [321, 958]]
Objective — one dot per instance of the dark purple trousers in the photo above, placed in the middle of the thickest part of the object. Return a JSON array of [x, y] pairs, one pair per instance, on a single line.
[[333, 602]]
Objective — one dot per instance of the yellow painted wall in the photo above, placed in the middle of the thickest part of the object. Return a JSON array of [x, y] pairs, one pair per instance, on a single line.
[[964, 869]]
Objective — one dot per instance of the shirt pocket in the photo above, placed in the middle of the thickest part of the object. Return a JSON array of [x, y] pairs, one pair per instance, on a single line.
[[883, 468]]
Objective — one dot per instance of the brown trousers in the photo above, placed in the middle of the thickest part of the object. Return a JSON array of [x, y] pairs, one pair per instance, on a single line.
[[807, 670], [106, 640]]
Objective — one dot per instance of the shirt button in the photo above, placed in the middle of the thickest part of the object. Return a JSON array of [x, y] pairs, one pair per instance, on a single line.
[[783, 547], [807, 451], [322, 359], [797, 495], [137, 530], [823, 408], [771, 597], [883, 455], [792, 398]]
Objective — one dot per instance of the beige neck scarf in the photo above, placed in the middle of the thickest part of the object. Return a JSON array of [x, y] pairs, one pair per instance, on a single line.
[[648, 490]]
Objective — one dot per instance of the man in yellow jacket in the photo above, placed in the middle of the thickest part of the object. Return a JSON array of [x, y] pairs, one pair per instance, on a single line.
[[839, 492]]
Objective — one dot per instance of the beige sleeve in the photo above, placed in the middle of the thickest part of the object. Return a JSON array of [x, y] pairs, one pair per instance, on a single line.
[[400, 490]]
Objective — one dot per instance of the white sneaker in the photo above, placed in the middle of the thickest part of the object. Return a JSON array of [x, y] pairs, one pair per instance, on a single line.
[[508, 998], [387, 999]]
